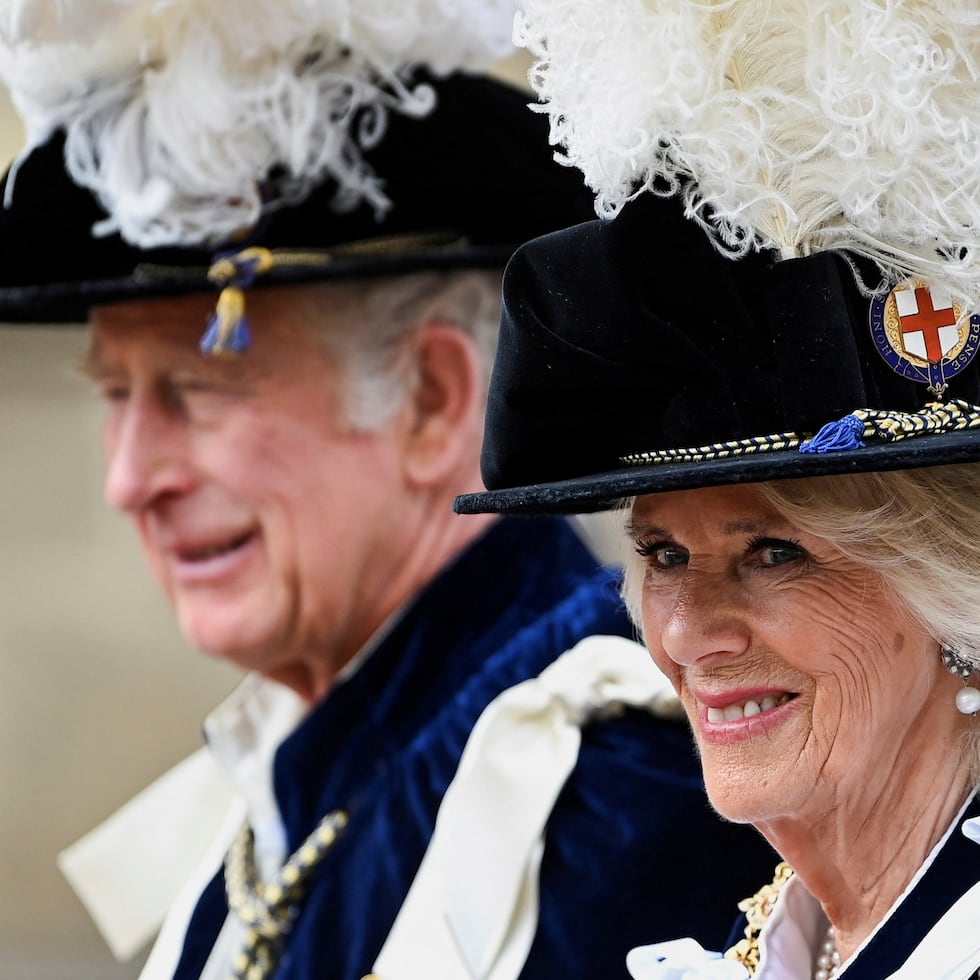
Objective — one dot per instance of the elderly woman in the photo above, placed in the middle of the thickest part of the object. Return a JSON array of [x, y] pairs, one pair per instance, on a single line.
[[815, 600], [822, 631], [770, 358]]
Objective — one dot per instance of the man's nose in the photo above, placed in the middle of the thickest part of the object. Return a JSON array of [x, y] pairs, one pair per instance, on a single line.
[[710, 618], [146, 448]]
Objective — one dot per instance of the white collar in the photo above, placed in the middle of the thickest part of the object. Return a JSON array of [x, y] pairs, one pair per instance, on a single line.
[[244, 733]]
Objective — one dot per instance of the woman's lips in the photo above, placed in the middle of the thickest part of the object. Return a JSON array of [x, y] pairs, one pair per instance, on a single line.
[[749, 708], [741, 713]]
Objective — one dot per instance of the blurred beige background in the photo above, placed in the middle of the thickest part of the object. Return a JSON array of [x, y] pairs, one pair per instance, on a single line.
[[98, 693]]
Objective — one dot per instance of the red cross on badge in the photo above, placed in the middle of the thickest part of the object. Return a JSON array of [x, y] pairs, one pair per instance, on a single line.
[[928, 322], [922, 334]]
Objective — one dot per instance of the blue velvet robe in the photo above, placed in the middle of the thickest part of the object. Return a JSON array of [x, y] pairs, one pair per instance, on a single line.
[[632, 847]]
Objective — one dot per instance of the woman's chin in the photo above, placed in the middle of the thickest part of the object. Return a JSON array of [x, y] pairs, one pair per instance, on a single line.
[[747, 800]]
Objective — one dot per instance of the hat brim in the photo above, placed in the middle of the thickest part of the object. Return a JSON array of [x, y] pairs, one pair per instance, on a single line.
[[605, 491], [70, 302]]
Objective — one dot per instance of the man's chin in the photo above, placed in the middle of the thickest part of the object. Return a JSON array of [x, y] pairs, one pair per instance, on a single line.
[[239, 641]]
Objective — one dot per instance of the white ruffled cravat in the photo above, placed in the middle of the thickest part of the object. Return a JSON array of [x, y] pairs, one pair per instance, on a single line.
[[472, 911], [682, 959]]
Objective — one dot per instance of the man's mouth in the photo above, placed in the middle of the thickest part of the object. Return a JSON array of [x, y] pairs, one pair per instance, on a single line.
[[210, 551], [748, 708]]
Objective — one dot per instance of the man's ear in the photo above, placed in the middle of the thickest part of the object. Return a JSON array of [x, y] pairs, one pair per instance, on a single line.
[[445, 418]]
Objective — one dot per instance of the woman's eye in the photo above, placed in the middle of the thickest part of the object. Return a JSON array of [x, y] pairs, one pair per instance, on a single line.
[[661, 554], [775, 551]]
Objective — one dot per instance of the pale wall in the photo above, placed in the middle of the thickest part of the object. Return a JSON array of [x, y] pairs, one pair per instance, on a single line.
[[98, 693]]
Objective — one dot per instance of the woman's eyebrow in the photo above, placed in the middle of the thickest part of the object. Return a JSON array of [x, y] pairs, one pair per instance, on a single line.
[[642, 529], [762, 525], [731, 529], [746, 526]]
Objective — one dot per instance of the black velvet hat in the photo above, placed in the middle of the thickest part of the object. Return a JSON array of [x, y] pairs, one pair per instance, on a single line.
[[467, 182], [635, 358]]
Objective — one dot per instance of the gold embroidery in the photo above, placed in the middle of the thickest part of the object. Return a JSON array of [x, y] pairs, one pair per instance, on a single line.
[[757, 910]]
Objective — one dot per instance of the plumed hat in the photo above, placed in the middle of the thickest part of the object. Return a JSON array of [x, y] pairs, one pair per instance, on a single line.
[[303, 141], [786, 276]]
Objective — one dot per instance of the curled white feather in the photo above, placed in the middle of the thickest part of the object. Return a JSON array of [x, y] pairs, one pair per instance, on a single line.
[[177, 110], [798, 125]]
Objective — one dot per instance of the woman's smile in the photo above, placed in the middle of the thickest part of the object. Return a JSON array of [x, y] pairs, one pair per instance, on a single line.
[[773, 638]]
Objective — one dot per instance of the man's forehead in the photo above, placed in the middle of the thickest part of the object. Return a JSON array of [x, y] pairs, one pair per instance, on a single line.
[[167, 332], [171, 326], [159, 309]]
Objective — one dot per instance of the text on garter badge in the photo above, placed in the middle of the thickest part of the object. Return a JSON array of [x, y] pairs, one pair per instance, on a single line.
[[922, 334]]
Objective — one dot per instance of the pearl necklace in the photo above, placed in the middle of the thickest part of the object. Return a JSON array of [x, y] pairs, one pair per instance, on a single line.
[[828, 959]]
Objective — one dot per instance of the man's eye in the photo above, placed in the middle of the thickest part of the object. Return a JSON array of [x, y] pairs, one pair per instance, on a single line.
[[776, 551], [192, 386], [114, 394], [661, 554]]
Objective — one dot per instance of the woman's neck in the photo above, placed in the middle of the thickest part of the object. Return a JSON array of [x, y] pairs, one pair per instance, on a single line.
[[858, 855]]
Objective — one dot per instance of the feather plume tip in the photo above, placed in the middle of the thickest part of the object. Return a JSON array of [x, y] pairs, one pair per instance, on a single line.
[[187, 118], [793, 125]]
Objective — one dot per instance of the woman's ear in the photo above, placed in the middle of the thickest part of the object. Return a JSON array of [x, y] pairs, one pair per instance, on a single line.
[[447, 405]]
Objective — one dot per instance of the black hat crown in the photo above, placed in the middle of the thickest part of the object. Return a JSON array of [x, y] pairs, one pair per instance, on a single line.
[[467, 183], [632, 363]]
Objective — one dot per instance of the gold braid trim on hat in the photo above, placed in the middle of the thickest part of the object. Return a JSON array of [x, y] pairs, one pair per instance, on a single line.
[[228, 332], [757, 910], [850, 432], [717, 450]]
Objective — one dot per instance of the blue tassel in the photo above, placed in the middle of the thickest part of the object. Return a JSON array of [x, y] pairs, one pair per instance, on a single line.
[[845, 433], [227, 333]]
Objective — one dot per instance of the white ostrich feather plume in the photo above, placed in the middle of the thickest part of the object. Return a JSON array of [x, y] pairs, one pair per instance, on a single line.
[[175, 110], [797, 125]]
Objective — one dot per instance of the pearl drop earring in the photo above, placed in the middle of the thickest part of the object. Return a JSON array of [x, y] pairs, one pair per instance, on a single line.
[[968, 698]]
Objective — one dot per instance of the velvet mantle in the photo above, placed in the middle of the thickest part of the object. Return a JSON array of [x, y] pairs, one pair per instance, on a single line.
[[632, 849]]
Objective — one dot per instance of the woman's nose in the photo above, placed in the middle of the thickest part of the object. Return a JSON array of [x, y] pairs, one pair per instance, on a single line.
[[708, 618]]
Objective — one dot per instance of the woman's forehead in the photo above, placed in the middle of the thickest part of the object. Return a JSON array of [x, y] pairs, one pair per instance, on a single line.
[[731, 511]]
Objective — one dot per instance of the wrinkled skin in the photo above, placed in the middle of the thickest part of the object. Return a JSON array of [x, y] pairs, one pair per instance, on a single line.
[[860, 740], [282, 537]]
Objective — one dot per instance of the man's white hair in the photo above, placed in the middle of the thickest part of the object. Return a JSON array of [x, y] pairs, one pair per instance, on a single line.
[[369, 327]]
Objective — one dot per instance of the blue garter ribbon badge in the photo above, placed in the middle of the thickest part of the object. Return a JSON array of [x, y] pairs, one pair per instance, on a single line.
[[923, 335]]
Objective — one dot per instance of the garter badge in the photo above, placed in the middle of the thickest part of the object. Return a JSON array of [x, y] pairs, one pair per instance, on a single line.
[[923, 335]]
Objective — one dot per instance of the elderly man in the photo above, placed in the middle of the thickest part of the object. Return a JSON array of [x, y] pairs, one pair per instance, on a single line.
[[295, 504]]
